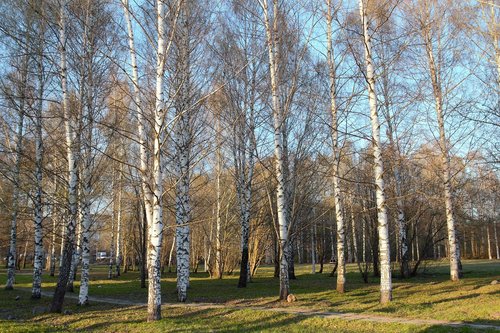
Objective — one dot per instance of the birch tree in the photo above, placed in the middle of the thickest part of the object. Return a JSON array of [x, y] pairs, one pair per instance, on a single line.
[[17, 94], [339, 217], [38, 204], [430, 30], [58, 299], [153, 186], [272, 38], [383, 226], [182, 98]]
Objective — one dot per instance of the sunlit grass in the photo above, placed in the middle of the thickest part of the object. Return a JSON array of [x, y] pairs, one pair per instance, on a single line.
[[428, 296]]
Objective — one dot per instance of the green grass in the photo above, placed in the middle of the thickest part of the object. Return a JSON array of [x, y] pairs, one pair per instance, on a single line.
[[428, 296]]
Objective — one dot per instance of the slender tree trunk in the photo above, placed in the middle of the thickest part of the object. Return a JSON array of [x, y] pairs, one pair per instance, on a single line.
[[402, 240], [53, 242], [86, 224], [218, 223], [272, 48], [75, 260], [313, 249], [383, 227], [490, 254], [155, 234], [119, 255], [58, 299], [455, 264], [341, 278], [113, 232], [183, 150], [12, 255], [38, 218], [141, 131], [171, 253], [496, 239]]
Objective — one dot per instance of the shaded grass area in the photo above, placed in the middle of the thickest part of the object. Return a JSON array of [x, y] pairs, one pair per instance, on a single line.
[[108, 318], [428, 296]]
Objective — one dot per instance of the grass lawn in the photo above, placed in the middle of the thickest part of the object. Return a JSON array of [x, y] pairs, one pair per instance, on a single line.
[[428, 296]]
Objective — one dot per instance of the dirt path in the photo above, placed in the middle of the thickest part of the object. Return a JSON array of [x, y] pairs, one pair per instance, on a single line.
[[293, 311]]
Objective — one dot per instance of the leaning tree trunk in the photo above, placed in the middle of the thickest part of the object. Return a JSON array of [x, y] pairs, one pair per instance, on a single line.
[[454, 251], [383, 227], [58, 299], [336, 158]]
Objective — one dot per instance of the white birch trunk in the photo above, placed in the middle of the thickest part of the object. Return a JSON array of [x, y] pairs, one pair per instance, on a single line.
[[354, 235], [61, 249], [141, 132], [402, 240], [38, 213], [60, 291], [383, 227], [113, 226], [455, 265], [490, 254], [272, 39], [156, 226], [119, 256], [218, 218], [75, 259], [183, 150], [339, 218], [496, 239], [12, 255], [86, 224], [86, 173]]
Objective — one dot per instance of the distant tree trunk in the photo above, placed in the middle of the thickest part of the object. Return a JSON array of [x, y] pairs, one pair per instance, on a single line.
[[52, 267], [119, 254], [496, 239], [313, 249], [219, 270], [383, 227], [144, 243], [112, 242]]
